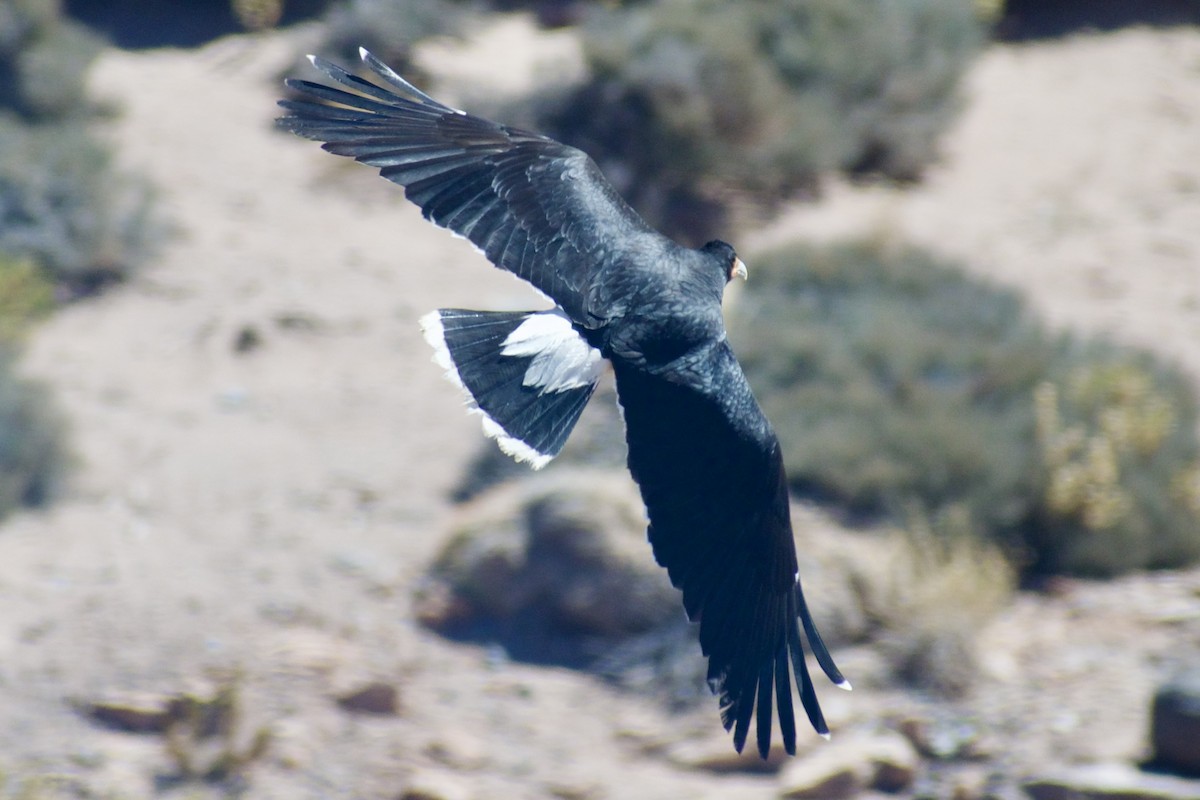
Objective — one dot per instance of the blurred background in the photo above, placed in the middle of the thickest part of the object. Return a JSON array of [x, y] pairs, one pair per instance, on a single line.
[[252, 546]]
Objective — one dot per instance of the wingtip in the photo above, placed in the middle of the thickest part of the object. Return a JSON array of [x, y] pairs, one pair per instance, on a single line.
[[844, 685], [364, 54], [312, 59], [827, 736]]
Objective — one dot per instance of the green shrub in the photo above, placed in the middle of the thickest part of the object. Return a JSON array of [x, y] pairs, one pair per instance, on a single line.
[[690, 98], [32, 456], [43, 60], [25, 295], [63, 205], [898, 383], [892, 377], [1117, 453]]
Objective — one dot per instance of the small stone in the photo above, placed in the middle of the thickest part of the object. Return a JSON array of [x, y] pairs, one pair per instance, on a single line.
[[884, 761], [298, 322], [563, 790], [970, 783], [1110, 782], [459, 750], [1175, 725], [132, 712], [435, 785], [894, 760], [375, 697], [718, 756], [942, 739], [829, 773], [247, 339]]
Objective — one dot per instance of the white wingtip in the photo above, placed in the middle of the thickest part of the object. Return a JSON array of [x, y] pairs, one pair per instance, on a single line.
[[827, 736], [435, 335], [364, 53], [511, 445], [845, 684], [312, 59]]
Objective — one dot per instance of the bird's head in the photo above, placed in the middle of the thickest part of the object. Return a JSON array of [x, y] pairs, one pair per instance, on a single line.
[[726, 258]]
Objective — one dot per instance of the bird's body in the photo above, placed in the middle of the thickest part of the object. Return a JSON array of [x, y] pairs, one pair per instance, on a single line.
[[704, 456]]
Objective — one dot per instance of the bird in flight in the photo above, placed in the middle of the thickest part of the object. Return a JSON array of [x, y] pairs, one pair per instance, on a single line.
[[704, 456]]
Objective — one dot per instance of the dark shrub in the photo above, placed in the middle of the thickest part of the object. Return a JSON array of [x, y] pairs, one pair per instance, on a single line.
[[63, 205], [692, 98], [898, 384], [388, 28], [892, 377], [43, 60]]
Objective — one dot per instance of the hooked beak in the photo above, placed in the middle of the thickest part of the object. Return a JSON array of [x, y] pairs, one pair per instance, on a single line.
[[738, 270]]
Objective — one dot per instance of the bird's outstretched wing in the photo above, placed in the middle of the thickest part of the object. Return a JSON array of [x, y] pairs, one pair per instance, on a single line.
[[711, 474], [533, 206]]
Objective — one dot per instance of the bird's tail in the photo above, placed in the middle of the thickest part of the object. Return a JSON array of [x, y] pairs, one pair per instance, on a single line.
[[528, 373]]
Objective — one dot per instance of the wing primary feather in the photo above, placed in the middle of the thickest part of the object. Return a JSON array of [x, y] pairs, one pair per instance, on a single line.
[[783, 691], [808, 694], [818, 644], [743, 708], [391, 76], [766, 680], [371, 107], [347, 78], [324, 112]]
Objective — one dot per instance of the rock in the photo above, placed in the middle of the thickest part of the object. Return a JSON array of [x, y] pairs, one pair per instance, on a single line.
[[435, 785], [1110, 782], [550, 567], [563, 790], [969, 783], [460, 750], [883, 761], [133, 712], [206, 710], [943, 738], [247, 339], [1175, 725], [895, 762], [825, 775], [375, 697], [717, 755]]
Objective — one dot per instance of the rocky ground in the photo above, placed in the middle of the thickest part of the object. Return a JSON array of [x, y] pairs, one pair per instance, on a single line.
[[264, 454]]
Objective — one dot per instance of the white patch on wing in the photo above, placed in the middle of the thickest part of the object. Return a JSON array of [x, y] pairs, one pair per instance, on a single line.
[[511, 445], [561, 358], [435, 334]]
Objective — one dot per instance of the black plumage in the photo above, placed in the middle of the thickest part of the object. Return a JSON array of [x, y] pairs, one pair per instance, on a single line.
[[700, 449]]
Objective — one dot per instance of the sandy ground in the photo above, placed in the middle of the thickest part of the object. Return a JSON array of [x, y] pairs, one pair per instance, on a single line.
[[1074, 175], [269, 511]]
